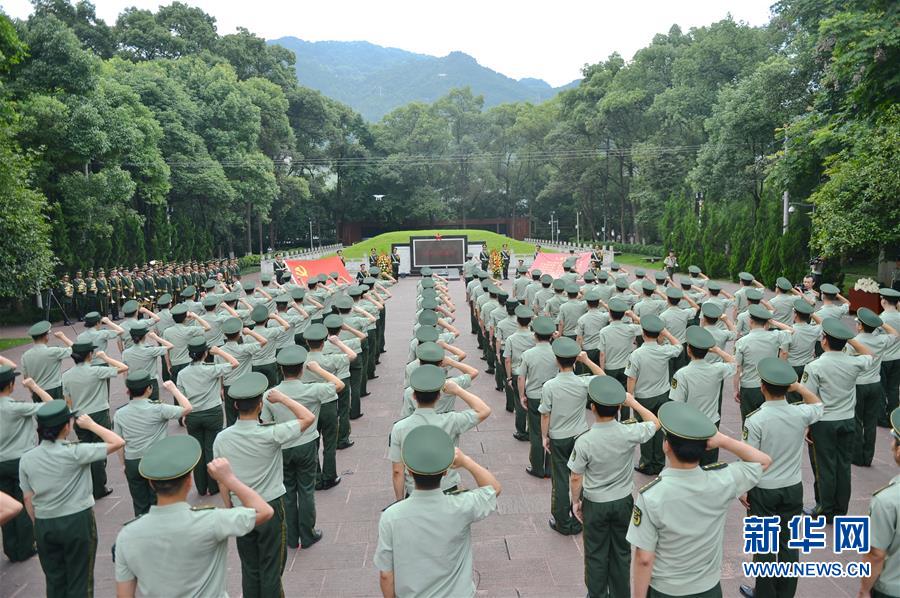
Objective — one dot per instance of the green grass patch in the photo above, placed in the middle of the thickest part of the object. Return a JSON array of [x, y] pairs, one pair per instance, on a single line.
[[382, 243], [640, 261], [10, 343]]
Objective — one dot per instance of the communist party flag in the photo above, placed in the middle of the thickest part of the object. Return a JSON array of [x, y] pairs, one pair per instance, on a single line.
[[303, 269]]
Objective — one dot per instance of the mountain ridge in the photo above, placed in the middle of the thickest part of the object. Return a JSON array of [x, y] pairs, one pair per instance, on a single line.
[[375, 80]]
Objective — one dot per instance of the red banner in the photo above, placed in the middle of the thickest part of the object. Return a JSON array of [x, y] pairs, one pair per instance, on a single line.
[[303, 269], [552, 263]]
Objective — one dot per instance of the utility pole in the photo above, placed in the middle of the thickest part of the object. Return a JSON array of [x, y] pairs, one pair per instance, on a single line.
[[785, 198], [577, 227]]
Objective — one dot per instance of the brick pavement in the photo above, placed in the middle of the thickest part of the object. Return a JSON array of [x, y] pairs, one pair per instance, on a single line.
[[516, 554]]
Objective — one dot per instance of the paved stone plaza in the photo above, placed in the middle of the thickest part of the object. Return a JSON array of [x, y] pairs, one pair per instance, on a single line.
[[516, 553]]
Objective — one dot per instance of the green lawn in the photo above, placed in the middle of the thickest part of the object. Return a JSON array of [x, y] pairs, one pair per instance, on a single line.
[[9, 343], [382, 243]]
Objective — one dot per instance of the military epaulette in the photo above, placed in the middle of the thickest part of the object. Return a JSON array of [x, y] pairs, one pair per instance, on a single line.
[[155, 403], [456, 491], [267, 424], [71, 442], [752, 412], [204, 507], [713, 466], [649, 485], [883, 489], [133, 520], [631, 420]]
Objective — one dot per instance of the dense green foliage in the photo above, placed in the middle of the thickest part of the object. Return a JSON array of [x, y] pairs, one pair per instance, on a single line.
[[156, 137], [382, 243]]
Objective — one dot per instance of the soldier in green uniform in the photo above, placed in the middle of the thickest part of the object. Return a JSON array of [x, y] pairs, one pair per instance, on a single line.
[[648, 381], [351, 337], [601, 483], [869, 392], [504, 325], [137, 281], [563, 399], [180, 334], [66, 294], [102, 293], [514, 346], [424, 541], [678, 520], [43, 363], [750, 349], [97, 336], [434, 354], [127, 285], [884, 513], [520, 284], [740, 296], [86, 389], [55, 477], [361, 320], [428, 382], [570, 311], [538, 366], [531, 290], [17, 436], [299, 457], [148, 560], [264, 361], [200, 382], [243, 349], [890, 362], [801, 346], [141, 423], [551, 308], [778, 429], [700, 382], [590, 325], [91, 303], [149, 289], [676, 320], [833, 377], [80, 293], [255, 453], [616, 343], [115, 293]]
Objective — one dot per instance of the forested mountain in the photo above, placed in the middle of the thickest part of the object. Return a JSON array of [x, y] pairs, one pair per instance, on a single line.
[[157, 138], [373, 80]]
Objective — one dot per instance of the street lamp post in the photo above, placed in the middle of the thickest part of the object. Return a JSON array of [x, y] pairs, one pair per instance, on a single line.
[[577, 227], [310, 235]]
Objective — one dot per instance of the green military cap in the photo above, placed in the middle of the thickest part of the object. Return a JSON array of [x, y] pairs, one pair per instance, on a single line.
[[745, 276], [343, 302], [431, 352], [427, 334], [776, 371], [166, 299], [673, 293], [211, 301], [229, 297], [369, 281], [291, 355], [179, 309], [621, 283], [889, 293], [695, 270], [783, 283], [265, 277], [209, 284], [430, 292], [606, 390], [802, 306], [82, 347], [333, 321], [521, 269], [283, 299], [39, 329], [92, 318], [754, 295], [829, 289], [428, 317], [712, 285], [589, 276], [427, 378], [249, 386], [7, 373], [614, 266], [536, 273], [428, 450], [572, 288], [429, 303], [197, 345], [427, 283], [374, 271], [170, 458], [482, 274], [524, 312], [426, 271], [298, 293], [686, 284], [652, 324], [592, 295], [868, 317], [502, 293], [543, 325], [355, 290], [248, 288], [659, 276], [602, 276], [685, 421], [559, 284], [700, 338], [834, 328], [188, 291], [546, 279], [315, 332], [565, 347], [640, 273], [139, 329], [259, 314], [895, 423], [137, 379], [759, 312], [53, 413], [232, 326], [711, 310], [617, 305], [334, 275], [569, 261], [512, 303]]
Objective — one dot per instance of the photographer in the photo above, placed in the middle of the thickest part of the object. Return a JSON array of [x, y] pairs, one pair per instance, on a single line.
[[817, 265]]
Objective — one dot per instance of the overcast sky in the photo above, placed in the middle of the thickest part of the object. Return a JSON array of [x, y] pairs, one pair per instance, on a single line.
[[551, 40]]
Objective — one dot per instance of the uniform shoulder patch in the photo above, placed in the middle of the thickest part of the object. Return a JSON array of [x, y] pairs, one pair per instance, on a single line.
[[204, 508], [636, 515], [133, 520], [749, 415], [155, 403], [883, 489], [267, 424], [744, 433], [714, 466], [805, 376], [649, 485], [674, 383], [631, 420], [71, 442]]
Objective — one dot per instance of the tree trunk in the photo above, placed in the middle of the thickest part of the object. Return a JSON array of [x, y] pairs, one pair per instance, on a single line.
[[249, 229]]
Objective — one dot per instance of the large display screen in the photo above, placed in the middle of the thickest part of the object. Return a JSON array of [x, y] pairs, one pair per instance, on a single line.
[[446, 251]]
